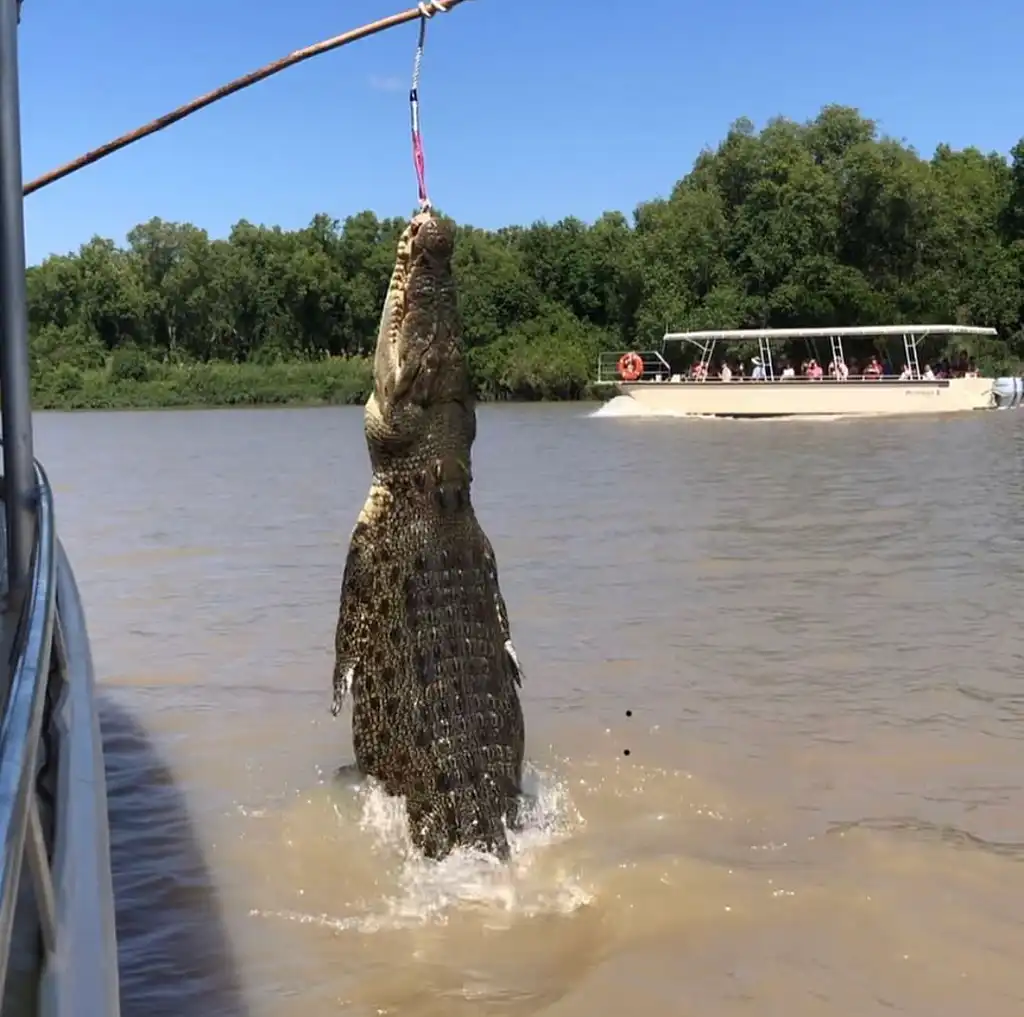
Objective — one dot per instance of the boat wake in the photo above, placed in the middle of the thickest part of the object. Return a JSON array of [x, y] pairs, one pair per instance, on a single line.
[[627, 407]]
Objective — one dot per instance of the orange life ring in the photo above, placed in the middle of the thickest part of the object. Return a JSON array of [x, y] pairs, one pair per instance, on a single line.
[[631, 366]]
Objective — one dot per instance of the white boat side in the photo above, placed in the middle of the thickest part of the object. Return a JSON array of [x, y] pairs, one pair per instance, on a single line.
[[658, 391]]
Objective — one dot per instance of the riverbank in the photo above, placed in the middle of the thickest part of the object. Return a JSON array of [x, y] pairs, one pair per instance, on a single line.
[[155, 386], [142, 385]]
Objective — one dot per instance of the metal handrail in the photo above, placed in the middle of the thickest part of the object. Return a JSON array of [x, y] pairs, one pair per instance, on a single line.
[[21, 831], [82, 978], [607, 366], [52, 704]]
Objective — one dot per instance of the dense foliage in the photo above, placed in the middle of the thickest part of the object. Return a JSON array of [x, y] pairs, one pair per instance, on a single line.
[[800, 224]]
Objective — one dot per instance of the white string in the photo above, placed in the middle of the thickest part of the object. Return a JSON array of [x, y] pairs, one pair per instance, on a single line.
[[427, 9], [418, 59]]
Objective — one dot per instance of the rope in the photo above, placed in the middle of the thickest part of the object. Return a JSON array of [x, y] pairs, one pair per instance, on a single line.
[[427, 9], [337, 41]]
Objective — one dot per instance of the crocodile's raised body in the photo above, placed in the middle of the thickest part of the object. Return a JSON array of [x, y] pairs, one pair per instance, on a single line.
[[423, 638]]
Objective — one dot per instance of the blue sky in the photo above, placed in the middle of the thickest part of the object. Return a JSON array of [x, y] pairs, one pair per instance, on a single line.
[[532, 109]]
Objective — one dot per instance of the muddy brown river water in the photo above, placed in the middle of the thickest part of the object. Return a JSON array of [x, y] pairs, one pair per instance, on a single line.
[[816, 628]]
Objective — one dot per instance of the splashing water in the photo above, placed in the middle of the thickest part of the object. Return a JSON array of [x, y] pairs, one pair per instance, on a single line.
[[428, 890], [535, 880]]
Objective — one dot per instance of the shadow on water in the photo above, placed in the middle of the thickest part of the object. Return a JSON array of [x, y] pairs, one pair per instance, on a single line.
[[174, 952]]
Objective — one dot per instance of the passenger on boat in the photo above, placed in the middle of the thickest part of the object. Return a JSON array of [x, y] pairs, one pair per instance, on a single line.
[[928, 374], [814, 372], [788, 372], [873, 371], [906, 374], [698, 372], [758, 372], [838, 370], [725, 374]]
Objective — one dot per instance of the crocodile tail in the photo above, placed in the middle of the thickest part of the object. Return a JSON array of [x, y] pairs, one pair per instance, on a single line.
[[471, 816]]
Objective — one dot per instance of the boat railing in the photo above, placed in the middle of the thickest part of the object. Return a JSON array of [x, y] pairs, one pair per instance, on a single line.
[[655, 366], [799, 379], [657, 369], [58, 952]]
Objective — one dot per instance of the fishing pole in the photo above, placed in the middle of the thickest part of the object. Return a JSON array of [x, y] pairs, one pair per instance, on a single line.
[[423, 11]]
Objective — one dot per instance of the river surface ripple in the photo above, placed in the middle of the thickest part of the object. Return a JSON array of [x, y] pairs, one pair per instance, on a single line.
[[816, 627]]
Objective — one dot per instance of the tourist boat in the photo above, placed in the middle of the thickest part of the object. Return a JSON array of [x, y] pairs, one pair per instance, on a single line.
[[646, 382]]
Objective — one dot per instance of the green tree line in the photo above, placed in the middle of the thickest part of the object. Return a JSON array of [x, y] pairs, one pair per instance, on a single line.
[[800, 224]]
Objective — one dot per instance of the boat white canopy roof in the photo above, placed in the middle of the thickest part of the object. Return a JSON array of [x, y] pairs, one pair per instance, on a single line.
[[837, 332]]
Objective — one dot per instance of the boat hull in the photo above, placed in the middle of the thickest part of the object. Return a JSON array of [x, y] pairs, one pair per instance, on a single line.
[[810, 399]]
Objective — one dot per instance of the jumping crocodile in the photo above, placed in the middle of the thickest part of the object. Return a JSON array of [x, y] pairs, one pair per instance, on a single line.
[[423, 641]]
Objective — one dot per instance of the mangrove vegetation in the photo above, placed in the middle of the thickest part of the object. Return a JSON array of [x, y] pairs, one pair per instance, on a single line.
[[822, 223]]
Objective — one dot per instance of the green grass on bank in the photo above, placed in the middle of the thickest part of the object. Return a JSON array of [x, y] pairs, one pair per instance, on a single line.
[[132, 382], [143, 385]]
